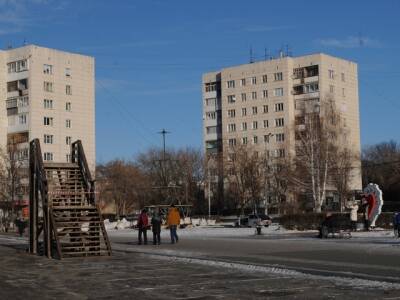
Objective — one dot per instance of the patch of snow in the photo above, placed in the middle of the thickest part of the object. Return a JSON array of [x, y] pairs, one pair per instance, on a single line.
[[340, 281]]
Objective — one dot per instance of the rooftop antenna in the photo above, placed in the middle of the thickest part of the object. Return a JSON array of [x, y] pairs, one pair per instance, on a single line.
[[265, 53], [251, 55], [9, 46], [288, 52], [360, 39], [25, 42]]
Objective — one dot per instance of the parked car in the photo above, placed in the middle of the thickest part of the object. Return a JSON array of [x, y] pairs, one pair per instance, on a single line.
[[260, 219]]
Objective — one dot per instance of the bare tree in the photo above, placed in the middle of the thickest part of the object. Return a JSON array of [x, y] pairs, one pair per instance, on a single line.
[[243, 172], [319, 147], [121, 183], [381, 165], [13, 171]]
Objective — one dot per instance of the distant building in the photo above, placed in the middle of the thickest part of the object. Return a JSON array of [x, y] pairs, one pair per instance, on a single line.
[[50, 95], [262, 104]]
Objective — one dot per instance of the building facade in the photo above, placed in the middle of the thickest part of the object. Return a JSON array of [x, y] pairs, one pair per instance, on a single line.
[[261, 103], [50, 95]]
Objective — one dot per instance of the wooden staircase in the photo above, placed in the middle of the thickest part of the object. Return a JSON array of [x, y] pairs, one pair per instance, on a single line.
[[72, 223]]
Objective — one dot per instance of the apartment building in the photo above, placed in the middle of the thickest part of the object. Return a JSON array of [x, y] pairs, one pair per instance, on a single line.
[[263, 103], [50, 95]]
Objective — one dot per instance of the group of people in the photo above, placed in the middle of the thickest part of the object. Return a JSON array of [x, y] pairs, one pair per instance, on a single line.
[[143, 224]]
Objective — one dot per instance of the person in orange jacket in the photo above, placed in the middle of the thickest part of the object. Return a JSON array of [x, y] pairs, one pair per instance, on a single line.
[[173, 221]]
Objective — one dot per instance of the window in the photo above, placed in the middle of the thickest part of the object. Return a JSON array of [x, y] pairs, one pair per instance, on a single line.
[[265, 123], [311, 87], [343, 78], [230, 83], [279, 152], [68, 90], [279, 122], [17, 85], [68, 106], [22, 119], [266, 138], [243, 97], [278, 92], [211, 129], [68, 72], [17, 66], [255, 139], [254, 110], [211, 87], [68, 140], [231, 113], [232, 142], [331, 89], [211, 115], [47, 69], [244, 140], [48, 156], [48, 121], [244, 126], [244, 111], [343, 92], [48, 86], [231, 99], [23, 101], [48, 139], [253, 80], [265, 109], [68, 123], [232, 127], [243, 82], [48, 104], [280, 137], [254, 125], [68, 157], [278, 76], [265, 78], [278, 106], [12, 86], [265, 93], [254, 95], [331, 74], [211, 101]]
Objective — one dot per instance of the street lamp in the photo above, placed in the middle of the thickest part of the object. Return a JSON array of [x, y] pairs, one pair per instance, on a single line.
[[266, 140]]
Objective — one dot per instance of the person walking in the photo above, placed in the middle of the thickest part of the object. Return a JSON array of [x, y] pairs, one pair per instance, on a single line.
[[143, 224], [396, 224], [156, 227], [173, 221], [353, 215]]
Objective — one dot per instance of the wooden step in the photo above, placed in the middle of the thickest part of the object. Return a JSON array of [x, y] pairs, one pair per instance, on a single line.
[[63, 166]]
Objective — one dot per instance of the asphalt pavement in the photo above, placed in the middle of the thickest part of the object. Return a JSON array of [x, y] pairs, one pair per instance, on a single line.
[[248, 267]]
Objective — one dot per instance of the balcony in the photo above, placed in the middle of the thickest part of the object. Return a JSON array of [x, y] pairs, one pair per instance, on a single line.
[[306, 96]]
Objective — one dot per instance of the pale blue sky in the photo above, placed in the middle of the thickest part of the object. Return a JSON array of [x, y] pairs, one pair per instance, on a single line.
[[150, 56]]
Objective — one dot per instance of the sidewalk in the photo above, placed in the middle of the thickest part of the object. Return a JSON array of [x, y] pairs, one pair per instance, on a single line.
[[133, 275]]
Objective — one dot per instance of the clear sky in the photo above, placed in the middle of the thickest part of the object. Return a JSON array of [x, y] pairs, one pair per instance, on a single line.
[[150, 56]]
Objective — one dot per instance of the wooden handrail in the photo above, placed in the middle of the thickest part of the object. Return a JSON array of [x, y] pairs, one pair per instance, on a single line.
[[78, 156]]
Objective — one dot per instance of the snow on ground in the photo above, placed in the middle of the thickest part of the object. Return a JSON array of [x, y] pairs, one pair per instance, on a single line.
[[212, 231], [340, 281]]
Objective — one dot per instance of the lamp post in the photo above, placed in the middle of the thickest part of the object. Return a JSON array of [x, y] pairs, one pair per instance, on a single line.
[[266, 141]]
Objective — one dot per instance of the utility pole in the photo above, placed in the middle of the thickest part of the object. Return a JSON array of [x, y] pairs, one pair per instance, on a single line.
[[163, 133]]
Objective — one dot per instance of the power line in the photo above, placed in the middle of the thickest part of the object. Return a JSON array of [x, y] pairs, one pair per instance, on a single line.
[[124, 111]]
